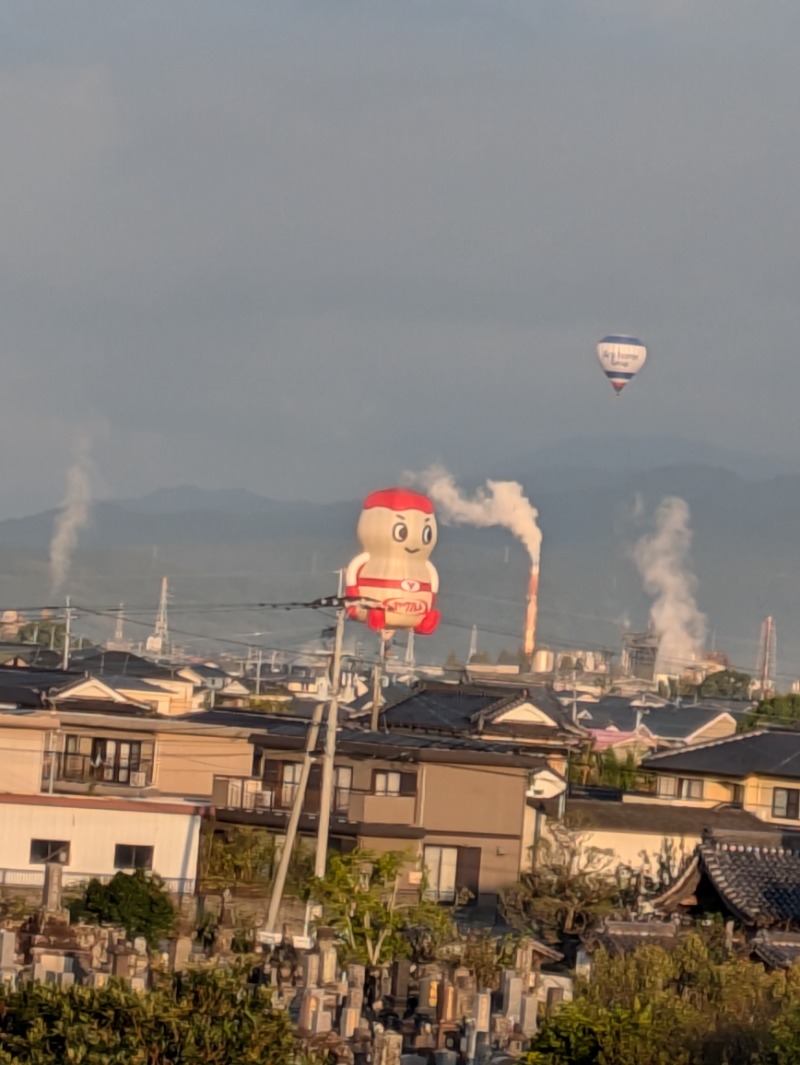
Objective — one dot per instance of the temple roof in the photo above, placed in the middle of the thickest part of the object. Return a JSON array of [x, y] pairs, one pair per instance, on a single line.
[[757, 882]]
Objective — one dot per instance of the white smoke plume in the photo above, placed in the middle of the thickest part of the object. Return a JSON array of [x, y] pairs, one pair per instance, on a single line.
[[500, 503], [662, 558], [73, 517]]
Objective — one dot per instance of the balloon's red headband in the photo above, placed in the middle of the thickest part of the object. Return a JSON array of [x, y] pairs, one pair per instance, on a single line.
[[399, 499]]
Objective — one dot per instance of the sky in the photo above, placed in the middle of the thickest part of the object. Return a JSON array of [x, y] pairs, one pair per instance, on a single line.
[[300, 247]]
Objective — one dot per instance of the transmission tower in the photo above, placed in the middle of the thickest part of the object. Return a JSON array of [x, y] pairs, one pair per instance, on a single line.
[[767, 655]]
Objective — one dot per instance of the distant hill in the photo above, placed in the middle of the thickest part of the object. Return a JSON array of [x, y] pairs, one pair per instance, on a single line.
[[234, 546]]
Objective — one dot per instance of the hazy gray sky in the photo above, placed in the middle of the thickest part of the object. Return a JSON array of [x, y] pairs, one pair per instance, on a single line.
[[303, 246]]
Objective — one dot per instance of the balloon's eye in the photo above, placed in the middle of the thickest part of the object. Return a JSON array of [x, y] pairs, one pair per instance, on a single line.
[[400, 532], [427, 534]]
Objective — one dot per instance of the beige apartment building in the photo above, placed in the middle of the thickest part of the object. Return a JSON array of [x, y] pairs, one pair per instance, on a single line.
[[117, 753]]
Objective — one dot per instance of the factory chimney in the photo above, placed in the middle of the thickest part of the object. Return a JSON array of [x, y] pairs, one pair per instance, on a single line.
[[529, 636]]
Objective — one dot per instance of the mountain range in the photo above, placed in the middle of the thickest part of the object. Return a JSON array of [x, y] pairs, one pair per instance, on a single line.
[[233, 546]]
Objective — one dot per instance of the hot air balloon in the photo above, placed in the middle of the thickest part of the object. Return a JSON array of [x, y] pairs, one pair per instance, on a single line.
[[621, 359], [393, 574]]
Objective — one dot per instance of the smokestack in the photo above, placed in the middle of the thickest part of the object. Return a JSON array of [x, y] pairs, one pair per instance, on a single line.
[[529, 635]]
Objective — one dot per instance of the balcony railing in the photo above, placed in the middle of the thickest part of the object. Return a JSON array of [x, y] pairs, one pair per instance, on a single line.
[[249, 793], [67, 768], [33, 878]]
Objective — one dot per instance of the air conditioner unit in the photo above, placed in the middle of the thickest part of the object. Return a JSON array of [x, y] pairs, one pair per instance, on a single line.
[[265, 799], [138, 780]]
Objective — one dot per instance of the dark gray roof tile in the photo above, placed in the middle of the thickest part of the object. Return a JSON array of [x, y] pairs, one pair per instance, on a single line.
[[767, 752]]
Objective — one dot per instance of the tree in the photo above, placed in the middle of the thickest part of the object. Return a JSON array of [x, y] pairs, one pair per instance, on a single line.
[[453, 663], [47, 632], [239, 855], [725, 684], [781, 710], [566, 665], [651, 1007], [359, 900], [608, 769], [195, 1018], [481, 658], [139, 902], [570, 888]]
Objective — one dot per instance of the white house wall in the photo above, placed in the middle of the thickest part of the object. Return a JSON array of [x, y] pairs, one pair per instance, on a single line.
[[93, 833]]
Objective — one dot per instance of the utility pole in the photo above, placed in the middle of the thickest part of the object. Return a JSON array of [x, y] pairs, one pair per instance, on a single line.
[[326, 790], [377, 686], [305, 771], [67, 628], [294, 819], [574, 696], [259, 663]]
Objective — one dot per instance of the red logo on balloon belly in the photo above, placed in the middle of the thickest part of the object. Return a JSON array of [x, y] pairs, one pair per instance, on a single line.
[[405, 606]]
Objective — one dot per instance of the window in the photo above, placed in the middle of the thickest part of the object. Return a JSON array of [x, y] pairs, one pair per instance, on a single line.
[[452, 873], [440, 873], [109, 761], [786, 803], [390, 782], [290, 779], [257, 769], [679, 788], [133, 856], [342, 783], [387, 783], [49, 850], [691, 789], [737, 794]]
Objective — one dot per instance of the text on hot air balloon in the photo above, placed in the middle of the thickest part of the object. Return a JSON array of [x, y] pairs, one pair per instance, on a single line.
[[405, 606]]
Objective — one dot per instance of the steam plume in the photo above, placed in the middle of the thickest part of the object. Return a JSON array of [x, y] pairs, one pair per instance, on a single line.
[[499, 503], [662, 558], [73, 517]]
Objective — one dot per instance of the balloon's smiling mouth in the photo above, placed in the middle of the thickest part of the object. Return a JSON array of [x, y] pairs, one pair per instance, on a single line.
[[411, 550]]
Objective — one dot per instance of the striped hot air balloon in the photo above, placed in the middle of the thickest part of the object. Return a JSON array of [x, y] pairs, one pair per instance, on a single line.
[[621, 358]]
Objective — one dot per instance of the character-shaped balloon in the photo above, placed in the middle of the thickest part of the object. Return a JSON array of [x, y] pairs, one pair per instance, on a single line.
[[397, 530]]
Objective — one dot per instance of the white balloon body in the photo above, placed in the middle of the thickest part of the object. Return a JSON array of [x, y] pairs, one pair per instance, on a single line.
[[621, 358]]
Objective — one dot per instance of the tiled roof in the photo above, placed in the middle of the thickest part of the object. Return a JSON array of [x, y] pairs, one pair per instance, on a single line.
[[603, 816], [97, 660], [441, 709], [779, 950], [460, 707], [759, 882], [623, 937], [663, 722], [767, 751]]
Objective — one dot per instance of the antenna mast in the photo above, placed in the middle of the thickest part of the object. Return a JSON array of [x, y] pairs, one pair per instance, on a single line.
[[158, 641], [767, 656]]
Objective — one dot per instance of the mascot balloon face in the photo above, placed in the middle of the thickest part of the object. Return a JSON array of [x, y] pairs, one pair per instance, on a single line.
[[397, 530]]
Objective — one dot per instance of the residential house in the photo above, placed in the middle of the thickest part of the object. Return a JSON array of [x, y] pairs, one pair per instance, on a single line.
[[461, 783], [91, 836], [733, 784], [657, 726], [127, 668], [655, 841], [216, 682], [108, 790], [124, 752], [757, 771], [531, 716], [161, 693]]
